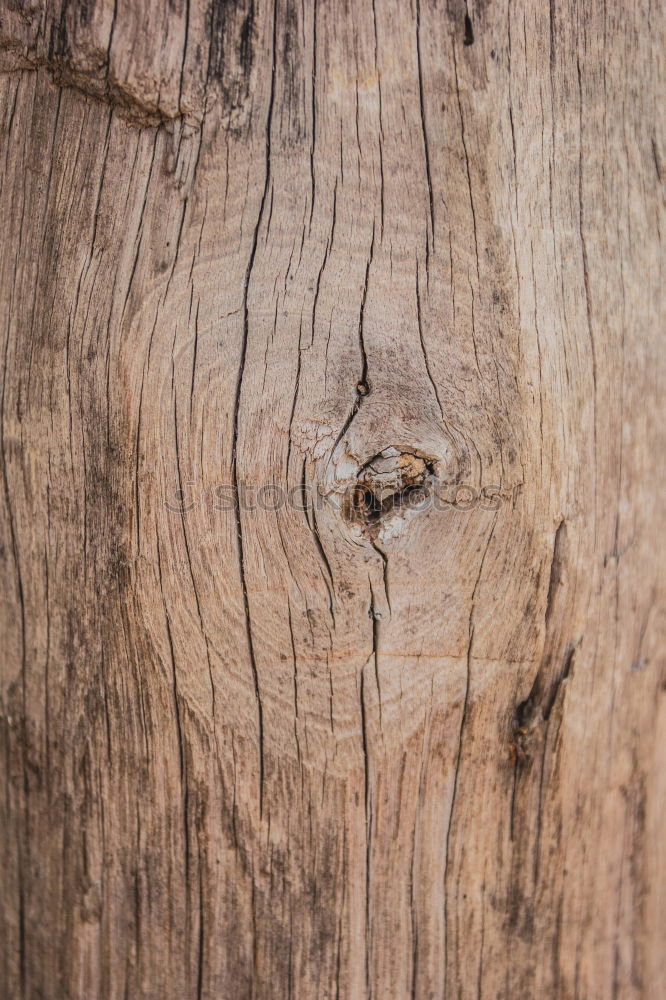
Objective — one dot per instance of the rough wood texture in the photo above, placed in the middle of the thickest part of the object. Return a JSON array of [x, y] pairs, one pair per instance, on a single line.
[[351, 744]]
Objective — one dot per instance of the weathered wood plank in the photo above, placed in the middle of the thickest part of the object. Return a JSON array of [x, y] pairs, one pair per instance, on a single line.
[[279, 282]]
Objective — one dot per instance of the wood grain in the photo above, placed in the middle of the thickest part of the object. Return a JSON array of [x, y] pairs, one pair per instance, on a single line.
[[332, 532]]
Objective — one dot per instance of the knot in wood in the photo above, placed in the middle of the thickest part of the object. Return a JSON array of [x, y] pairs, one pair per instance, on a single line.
[[389, 486]]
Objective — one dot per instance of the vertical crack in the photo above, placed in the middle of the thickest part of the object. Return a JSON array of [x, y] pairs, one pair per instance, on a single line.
[[362, 386], [313, 108], [426, 148], [467, 167], [234, 449], [368, 832]]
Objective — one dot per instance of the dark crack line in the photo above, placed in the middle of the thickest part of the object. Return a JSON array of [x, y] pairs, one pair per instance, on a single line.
[[467, 167], [424, 130], [234, 450], [368, 832], [425, 354], [362, 385]]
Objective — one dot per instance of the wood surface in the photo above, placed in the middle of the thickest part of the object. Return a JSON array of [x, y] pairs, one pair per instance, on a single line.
[[332, 530]]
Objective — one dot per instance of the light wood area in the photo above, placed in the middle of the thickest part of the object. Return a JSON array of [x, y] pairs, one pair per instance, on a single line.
[[332, 525]]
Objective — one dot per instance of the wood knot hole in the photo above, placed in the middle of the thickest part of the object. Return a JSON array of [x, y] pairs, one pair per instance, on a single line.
[[390, 486]]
